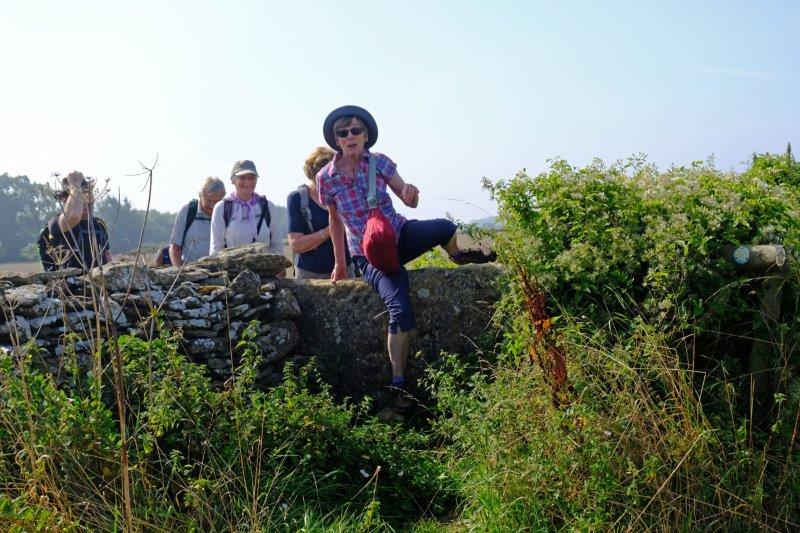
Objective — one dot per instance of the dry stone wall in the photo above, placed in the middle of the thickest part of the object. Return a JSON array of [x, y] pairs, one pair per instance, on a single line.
[[211, 301]]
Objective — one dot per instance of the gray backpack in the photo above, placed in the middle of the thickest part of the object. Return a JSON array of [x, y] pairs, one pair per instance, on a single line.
[[304, 208]]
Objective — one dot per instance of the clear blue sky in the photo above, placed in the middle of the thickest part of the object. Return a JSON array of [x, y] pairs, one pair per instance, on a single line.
[[460, 89]]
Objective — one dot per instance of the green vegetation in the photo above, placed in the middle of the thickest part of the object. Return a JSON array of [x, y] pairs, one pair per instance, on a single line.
[[656, 429], [435, 258], [25, 208], [660, 431], [23, 211], [125, 225], [203, 459]]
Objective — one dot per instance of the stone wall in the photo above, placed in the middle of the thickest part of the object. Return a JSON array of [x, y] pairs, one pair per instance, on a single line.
[[212, 300], [344, 325]]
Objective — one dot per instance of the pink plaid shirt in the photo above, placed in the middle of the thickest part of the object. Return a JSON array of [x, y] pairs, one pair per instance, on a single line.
[[350, 196]]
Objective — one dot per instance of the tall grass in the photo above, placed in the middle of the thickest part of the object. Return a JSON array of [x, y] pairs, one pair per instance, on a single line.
[[660, 430], [135, 437], [230, 459], [641, 446], [656, 429]]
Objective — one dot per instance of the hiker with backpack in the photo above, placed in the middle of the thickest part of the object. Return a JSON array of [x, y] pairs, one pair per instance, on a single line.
[[74, 238], [245, 216], [191, 233], [354, 187], [309, 236]]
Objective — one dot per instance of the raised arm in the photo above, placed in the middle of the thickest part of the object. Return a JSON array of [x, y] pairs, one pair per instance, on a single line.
[[407, 193], [73, 207]]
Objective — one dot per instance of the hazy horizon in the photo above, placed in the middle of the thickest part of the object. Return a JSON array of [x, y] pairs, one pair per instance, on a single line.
[[460, 90]]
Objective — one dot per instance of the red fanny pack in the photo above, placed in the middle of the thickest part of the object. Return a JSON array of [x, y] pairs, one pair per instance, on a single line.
[[380, 240]]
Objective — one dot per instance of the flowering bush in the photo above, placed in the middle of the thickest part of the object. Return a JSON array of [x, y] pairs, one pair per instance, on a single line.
[[607, 239]]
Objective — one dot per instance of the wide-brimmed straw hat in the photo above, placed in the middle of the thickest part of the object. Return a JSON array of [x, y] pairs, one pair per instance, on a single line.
[[349, 110]]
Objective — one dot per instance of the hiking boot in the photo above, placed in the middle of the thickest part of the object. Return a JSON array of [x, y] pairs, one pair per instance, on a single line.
[[473, 255], [402, 401]]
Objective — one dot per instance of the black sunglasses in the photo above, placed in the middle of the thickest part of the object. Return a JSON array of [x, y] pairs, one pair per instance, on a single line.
[[356, 131]]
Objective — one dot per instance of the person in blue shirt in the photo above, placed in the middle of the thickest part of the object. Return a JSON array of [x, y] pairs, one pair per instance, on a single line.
[[309, 236]]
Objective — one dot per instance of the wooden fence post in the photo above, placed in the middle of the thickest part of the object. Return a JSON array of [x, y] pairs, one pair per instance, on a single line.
[[769, 262]]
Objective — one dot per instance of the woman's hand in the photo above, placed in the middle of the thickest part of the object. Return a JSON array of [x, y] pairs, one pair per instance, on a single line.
[[410, 195], [339, 272], [407, 193]]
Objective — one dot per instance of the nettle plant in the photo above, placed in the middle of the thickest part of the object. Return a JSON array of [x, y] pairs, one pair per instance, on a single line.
[[610, 241]]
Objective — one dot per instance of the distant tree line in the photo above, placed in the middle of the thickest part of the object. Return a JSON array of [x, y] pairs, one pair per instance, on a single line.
[[125, 224], [25, 208]]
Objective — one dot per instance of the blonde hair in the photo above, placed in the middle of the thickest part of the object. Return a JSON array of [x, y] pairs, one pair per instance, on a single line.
[[317, 159]]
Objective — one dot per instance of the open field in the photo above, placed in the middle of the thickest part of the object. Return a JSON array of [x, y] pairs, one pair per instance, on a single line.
[[24, 266]]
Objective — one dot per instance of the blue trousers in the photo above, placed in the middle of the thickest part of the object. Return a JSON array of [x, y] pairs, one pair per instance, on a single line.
[[416, 238]]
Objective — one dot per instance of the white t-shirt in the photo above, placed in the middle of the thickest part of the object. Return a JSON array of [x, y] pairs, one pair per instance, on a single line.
[[198, 236], [242, 230]]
